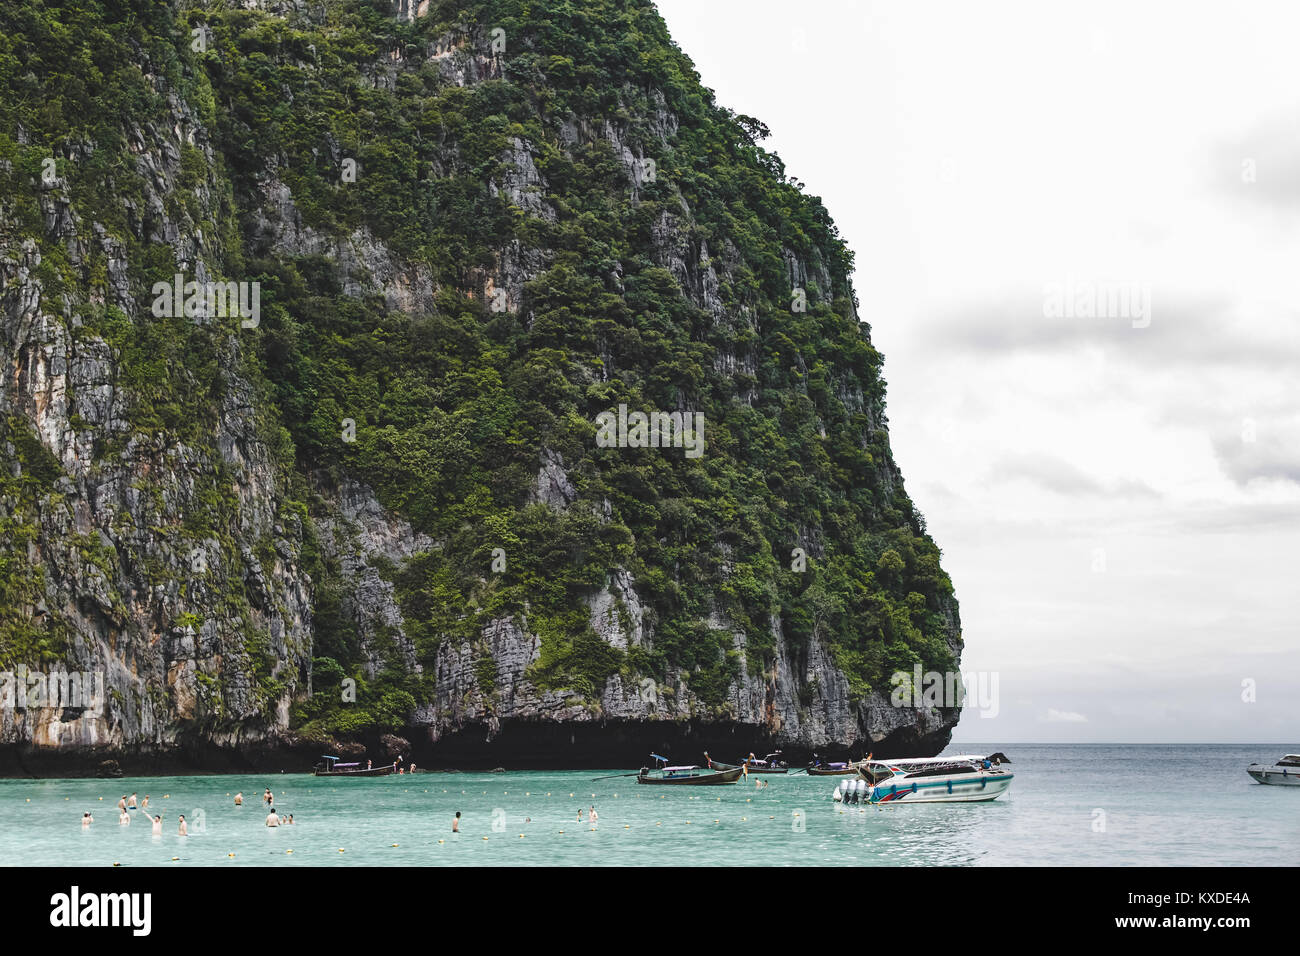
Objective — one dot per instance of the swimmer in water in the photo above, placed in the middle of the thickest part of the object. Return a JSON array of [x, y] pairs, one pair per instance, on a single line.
[[131, 804], [124, 818], [121, 804], [267, 798], [144, 805], [157, 826], [455, 824], [239, 799], [271, 819], [290, 821], [86, 819], [183, 830], [592, 817]]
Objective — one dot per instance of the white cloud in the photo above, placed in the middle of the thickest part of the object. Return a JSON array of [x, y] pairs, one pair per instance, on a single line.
[[1025, 144], [1055, 716]]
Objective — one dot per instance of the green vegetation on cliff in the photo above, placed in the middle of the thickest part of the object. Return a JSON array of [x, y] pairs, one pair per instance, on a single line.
[[457, 405]]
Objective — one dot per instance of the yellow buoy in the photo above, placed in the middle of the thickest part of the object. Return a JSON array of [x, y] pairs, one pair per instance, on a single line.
[[175, 858], [230, 854], [442, 841], [521, 836], [396, 844], [288, 851]]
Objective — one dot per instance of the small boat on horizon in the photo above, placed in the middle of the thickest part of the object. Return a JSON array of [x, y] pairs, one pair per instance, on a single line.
[[1284, 773], [331, 767]]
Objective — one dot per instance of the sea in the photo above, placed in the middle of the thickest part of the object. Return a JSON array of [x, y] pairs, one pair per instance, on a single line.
[[1069, 805]]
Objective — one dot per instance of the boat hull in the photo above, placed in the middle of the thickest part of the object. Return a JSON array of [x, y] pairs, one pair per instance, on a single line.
[[372, 772], [820, 772], [1275, 776], [752, 769], [696, 780], [966, 788]]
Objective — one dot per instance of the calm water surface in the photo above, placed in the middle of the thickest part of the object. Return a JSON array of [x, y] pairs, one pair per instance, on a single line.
[[1069, 805]]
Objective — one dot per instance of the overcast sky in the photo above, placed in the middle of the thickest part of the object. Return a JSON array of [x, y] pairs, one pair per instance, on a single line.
[[1116, 489]]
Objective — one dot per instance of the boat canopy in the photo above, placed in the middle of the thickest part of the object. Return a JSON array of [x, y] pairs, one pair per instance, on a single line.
[[347, 765], [328, 757], [1290, 760], [672, 769], [953, 758]]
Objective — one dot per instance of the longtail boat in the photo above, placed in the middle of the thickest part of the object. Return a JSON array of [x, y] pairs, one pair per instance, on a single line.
[[833, 769], [330, 767], [689, 776], [769, 764]]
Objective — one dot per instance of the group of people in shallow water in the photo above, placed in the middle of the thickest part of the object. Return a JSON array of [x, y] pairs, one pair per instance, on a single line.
[[124, 808], [127, 804], [273, 819]]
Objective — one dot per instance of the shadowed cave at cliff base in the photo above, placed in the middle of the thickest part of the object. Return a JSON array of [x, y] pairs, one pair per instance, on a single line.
[[514, 746]]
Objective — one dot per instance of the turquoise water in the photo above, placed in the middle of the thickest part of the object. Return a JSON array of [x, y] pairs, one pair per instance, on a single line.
[[1178, 805]]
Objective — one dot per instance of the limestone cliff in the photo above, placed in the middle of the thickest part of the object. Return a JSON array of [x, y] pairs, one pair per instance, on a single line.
[[374, 503]]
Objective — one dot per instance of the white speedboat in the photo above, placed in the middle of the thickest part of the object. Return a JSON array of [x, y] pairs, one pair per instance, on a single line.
[[963, 778], [1285, 773]]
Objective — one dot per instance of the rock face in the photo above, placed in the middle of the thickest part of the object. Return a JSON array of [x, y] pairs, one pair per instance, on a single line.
[[170, 539], [163, 569]]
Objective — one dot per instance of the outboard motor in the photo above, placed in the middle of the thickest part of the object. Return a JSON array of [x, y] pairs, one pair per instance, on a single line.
[[860, 792], [838, 796]]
